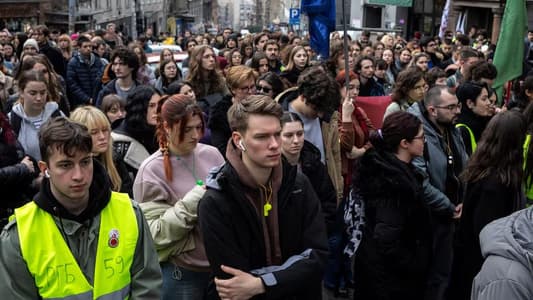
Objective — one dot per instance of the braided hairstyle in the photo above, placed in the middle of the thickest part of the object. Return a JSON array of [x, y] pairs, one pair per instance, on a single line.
[[175, 109]]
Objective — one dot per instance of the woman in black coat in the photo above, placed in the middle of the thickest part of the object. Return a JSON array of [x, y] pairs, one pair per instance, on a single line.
[[393, 257], [17, 172], [493, 179]]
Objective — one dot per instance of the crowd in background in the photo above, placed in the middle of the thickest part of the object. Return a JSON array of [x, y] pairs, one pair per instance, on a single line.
[[405, 202]]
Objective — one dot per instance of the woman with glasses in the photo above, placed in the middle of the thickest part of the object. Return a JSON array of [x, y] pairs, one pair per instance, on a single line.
[[477, 110], [241, 82], [392, 260], [493, 179], [269, 84], [233, 57], [410, 88]]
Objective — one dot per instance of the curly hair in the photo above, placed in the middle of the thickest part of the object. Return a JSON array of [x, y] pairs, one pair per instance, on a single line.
[[199, 78], [127, 57], [137, 107], [406, 81], [319, 89]]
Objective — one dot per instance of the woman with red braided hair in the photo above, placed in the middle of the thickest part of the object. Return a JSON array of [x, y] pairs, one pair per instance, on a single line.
[[168, 186]]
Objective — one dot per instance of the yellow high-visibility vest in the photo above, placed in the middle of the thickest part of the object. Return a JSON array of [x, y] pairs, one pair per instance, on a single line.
[[473, 143], [55, 270]]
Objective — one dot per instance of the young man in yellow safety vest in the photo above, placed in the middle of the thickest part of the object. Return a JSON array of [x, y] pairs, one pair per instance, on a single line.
[[77, 239]]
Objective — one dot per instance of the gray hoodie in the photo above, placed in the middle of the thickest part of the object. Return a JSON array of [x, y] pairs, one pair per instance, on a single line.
[[507, 245], [28, 135]]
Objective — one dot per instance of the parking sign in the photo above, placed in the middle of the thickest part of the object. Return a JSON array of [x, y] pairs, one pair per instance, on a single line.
[[294, 14]]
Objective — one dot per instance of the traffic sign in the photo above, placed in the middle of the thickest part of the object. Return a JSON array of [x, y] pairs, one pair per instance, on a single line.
[[294, 16]]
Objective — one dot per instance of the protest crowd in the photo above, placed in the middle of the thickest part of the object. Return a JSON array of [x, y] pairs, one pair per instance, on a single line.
[[253, 166]]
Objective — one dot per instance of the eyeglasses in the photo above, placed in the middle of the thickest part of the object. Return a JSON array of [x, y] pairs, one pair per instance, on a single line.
[[420, 137], [260, 88], [450, 107]]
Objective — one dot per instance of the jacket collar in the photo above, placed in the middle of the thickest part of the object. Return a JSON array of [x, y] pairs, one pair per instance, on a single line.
[[99, 196]]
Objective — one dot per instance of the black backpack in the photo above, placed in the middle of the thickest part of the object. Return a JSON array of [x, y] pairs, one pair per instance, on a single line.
[[16, 120]]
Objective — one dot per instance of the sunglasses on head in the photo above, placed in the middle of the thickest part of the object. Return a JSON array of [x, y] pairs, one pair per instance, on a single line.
[[262, 88]]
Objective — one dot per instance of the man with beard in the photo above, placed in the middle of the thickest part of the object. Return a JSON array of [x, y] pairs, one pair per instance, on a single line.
[[444, 159], [365, 67], [429, 46], [272, 52]]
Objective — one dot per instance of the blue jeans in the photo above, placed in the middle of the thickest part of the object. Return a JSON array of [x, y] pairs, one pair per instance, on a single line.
[[337, 273], [182, 284]]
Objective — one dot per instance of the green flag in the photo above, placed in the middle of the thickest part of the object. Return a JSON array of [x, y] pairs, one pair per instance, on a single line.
[[509, 55]]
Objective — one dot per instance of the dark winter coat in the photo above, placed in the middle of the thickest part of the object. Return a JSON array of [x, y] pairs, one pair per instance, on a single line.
[[476, 123], [486, 200], [15, 178], [233, 234], [55, 57], [219, 125], [83, 79], [317, 173], [393, 258]]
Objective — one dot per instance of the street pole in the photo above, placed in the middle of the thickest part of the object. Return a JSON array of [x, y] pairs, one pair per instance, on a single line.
[[71, 15], [346, 58]]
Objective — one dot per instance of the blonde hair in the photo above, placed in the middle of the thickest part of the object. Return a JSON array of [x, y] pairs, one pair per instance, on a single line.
[[92, 117]]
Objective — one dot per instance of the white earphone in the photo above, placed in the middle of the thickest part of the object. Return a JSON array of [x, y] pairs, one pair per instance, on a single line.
[[241, 145], [46, 174]]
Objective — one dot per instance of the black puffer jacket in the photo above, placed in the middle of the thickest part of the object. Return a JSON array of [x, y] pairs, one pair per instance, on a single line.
[[317, 173], [393, 257]]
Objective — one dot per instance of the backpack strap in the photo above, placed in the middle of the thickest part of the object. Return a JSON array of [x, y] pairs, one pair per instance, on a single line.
[[16, 120]]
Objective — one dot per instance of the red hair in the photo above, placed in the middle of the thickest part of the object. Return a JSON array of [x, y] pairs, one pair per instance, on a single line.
[[173, 110], [341, 77]]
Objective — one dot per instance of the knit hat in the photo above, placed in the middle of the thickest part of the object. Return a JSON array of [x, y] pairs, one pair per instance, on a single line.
[[31, 42], [74, 36]]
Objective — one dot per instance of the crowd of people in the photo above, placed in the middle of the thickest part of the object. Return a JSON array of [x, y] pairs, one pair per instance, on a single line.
[[254, 171]]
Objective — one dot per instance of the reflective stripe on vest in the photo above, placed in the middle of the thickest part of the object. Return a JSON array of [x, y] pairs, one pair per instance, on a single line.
[[529, 187], [55, 270], [473, 143]]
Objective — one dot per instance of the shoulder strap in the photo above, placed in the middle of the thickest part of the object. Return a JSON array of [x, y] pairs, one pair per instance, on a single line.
[[16, 121], [56, 113]]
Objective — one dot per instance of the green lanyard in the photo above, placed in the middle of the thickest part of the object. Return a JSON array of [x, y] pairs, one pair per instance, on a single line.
[[193, 170]]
